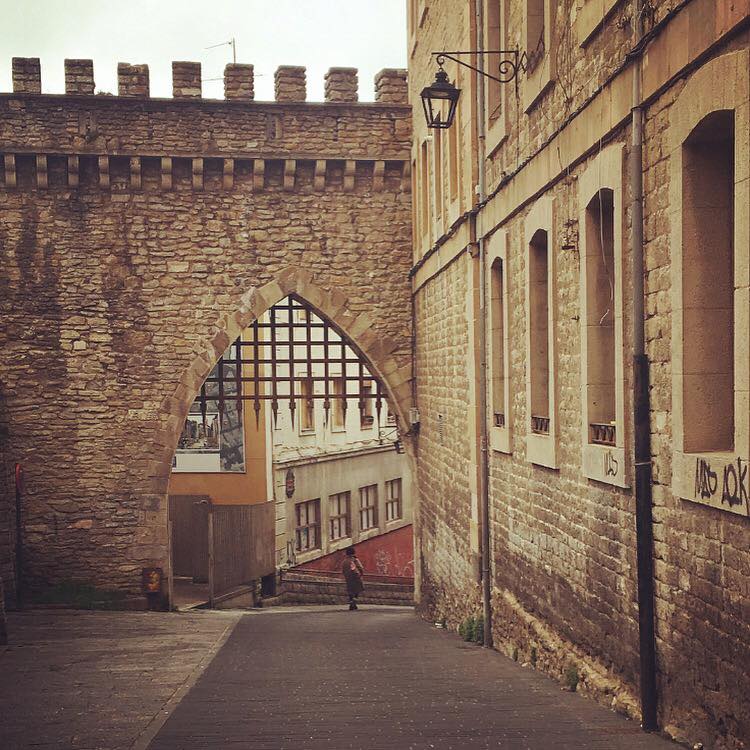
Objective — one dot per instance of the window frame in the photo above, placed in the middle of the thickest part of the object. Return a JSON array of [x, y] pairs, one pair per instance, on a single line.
[[338, 516], [306, 404], [541, 449], [337, 405], [498, 249], [367, 416], [300, 527], [722, 83], [535, 82], [604, 463], [496, 128], [370, 510], [390, 500]]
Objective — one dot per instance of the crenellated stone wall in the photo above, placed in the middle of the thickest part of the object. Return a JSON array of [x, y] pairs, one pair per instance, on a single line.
[[137, 237]]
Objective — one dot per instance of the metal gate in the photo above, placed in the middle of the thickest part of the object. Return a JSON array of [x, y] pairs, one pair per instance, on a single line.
[[227, 546]]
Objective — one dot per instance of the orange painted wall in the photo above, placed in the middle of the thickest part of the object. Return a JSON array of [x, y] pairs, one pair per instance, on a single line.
[[235, 488]]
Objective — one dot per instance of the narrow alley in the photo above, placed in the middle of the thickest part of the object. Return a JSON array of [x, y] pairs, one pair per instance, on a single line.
[[302, 678]]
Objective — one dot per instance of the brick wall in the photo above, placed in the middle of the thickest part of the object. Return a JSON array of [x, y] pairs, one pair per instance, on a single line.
[[563, 546], [137, 237], [448, 568]]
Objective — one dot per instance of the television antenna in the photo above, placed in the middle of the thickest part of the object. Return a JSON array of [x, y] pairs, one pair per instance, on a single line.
[[231, 43]]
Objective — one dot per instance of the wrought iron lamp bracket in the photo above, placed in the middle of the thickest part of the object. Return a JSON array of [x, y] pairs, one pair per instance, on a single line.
[[511, 61]]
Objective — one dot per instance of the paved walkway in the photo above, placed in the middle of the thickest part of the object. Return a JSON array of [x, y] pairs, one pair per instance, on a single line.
[[99, 680], [379, 679]]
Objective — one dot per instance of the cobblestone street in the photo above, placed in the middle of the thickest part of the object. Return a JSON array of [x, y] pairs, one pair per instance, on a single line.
[[302, 678]]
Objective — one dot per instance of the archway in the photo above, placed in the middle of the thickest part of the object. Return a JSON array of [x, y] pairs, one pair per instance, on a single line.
[[214, 362]]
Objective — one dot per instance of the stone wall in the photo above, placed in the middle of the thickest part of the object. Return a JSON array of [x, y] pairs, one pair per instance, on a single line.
[[137, 238], [563, 536], [448, 567], [7, 520]]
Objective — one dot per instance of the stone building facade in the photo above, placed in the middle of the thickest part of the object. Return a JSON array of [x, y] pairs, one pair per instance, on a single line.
[[529, 194], [338, 479], [138, 238]]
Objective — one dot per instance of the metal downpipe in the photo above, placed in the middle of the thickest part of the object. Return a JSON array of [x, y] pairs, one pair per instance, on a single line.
[[641, 414], [484, 494]]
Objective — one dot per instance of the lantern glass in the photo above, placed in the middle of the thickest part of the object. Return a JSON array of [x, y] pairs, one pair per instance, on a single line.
[[439, 101]]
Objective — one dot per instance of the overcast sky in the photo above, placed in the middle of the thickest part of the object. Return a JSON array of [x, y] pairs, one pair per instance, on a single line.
[[319, 34]]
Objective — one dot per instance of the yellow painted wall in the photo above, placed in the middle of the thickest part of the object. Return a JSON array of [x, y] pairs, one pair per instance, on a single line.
[[232, 488]]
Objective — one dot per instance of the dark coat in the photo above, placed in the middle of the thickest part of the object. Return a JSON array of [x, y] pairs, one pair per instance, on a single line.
[[353, 570]]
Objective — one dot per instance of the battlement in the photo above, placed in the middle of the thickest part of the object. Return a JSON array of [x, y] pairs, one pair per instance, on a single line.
[[341, 84]]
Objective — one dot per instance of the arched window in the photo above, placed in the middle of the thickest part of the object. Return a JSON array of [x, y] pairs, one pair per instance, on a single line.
[[539, 332], [600, 318], [708, 285], [497, 304]]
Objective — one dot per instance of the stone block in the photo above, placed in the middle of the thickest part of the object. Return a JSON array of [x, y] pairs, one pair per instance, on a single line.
[[390, 86], [27, 75], [79, 77], [341, 85], [186, 80], [239, 82], [290, 83], [133, 80]]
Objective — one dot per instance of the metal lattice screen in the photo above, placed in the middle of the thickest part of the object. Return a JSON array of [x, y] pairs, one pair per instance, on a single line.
[[291, 356]]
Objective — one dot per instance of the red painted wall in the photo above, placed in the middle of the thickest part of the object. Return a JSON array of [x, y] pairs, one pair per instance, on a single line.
[[390, 554]]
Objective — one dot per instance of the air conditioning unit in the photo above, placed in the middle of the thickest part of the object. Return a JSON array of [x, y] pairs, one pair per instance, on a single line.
[[414, 416]]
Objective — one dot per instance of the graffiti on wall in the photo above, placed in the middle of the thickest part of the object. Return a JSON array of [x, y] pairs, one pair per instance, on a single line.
[[611, 464], [729, 485]]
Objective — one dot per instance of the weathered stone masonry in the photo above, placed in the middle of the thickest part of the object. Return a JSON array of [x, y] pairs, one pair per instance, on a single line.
[[563, 546], [137, 238]]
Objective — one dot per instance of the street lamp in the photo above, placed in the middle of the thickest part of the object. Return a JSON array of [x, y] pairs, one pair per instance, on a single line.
[[439, 100]]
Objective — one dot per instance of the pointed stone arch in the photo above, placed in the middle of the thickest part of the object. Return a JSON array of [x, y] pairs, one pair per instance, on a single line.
[[380, 353]]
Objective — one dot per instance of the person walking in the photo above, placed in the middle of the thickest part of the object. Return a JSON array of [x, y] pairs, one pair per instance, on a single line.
[[353, 571]]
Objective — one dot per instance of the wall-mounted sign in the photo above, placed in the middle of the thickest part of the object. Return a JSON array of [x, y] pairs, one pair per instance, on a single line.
[[289, 482]]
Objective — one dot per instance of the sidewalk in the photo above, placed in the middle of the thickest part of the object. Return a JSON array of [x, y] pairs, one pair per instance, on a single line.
[[75, 679], [302, 678]]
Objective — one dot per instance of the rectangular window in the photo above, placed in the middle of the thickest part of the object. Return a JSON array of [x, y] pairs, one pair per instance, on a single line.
[[600, 319], [393, 508], [539, 40], [499, 372], [367, 420], [306, 405], [338, 515], [494, 42], [424, 193], [338, 406], [709, 181], [368, 507], [535, 42], [539, 333], [307, 533]]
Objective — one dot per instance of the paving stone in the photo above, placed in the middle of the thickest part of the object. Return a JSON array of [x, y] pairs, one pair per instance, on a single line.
[[380, 678], [96, 679]]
